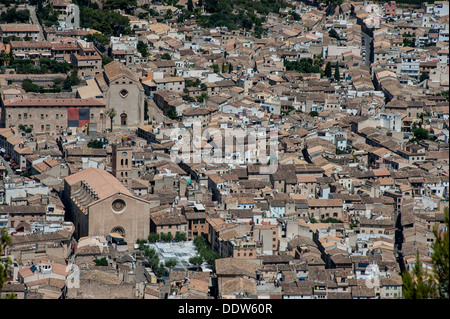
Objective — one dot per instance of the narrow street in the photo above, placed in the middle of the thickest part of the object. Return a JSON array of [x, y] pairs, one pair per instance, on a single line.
[[8, 168], [398, 242], [34, 20], [367, 45], [165, 287]]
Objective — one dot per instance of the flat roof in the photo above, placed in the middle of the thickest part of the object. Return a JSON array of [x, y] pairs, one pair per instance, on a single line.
[[180, 251]]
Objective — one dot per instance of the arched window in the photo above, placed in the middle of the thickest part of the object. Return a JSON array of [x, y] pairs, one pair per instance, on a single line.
[[123, 119]]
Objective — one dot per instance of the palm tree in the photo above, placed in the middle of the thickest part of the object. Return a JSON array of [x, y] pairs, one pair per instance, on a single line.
[[111, 114]]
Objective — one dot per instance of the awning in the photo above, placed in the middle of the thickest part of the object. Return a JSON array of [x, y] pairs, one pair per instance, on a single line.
[[116, 235]]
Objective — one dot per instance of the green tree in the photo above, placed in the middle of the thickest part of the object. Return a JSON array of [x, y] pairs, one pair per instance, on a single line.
[[15, 16], [313, 113], [223, 67], [29, 86], [420, 133], [5, 58], [205, 251], [200, 243], [304, 65], [440, 257], [25, 128], [331, 220], [142, 48], [337, 75], [190, 83], [215, 68], [445, 94], [108, 22], [170, 263], [141, 243], [106, 59], [154, 258], [168, 15], [312, 220], [166, 56], [333, 33], [180, 236], [100, 41], [328, 70], [146, 117], [295, 15], [318, 61], [101, 262], [119, 4], [71, 80], [196, 260], [423, 76], [159, 270], [418, 284], [172, 114], [111, 113], [210, 257], [153, 237], [409, 42], [202, 97], [149, 252], [5, 262], [166, 237], [190, 6], [95, 144], [52, 66]]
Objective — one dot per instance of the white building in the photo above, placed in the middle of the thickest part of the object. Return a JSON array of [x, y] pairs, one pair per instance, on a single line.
[[392, 121], [410, 65], [23, 190]]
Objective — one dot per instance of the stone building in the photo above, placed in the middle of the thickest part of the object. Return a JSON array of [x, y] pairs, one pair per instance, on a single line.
[[87, 59], [22, 31], [122, 162], [98, 204], [123, 92], [51, 115]]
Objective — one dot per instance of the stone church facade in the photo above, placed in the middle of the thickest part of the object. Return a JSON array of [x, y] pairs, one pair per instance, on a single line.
[[98, 204], [122, 91]]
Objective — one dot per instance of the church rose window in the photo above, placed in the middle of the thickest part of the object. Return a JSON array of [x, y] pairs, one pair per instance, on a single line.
[[118, 205]]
